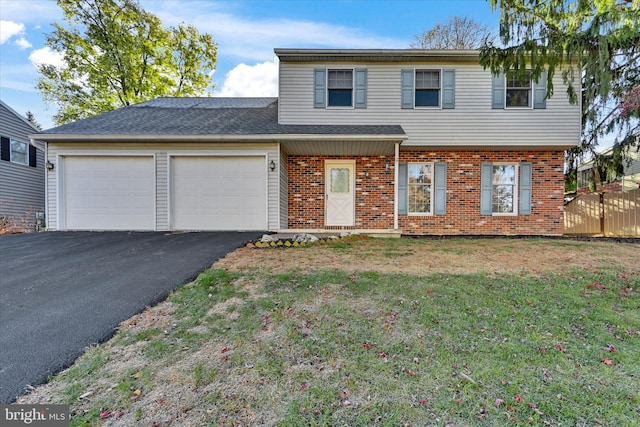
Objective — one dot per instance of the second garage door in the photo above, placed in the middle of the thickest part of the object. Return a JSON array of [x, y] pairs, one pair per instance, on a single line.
[[218, 193]]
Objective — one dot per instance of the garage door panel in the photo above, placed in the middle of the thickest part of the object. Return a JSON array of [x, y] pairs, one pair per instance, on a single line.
[[109, 193], [219, 193]]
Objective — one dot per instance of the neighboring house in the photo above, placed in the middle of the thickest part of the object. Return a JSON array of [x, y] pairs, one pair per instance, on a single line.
[[22, 174], [379, 141], [589, 179]]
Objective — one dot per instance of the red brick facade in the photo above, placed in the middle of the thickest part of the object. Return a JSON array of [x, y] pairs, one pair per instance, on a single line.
[[375, 193], [463, 194]]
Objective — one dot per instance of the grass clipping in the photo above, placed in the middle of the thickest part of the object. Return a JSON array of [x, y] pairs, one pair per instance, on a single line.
[[378, 332]]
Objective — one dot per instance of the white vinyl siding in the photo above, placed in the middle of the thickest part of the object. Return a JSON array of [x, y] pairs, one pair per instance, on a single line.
[[22, 192], [283, 191], [162, 151], [162, 192], [472, 123]]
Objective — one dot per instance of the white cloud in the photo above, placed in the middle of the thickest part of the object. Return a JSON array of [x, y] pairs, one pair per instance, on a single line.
[[47, 56], [9, 29], [23, 43], [18, 76], [251, 81], [255, 39]]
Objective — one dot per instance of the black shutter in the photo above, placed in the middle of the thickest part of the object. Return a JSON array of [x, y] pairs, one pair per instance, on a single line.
[[5, 153], [33, 158]]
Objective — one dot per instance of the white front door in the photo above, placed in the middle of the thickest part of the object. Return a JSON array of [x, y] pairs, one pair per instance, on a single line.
[[340, 192]]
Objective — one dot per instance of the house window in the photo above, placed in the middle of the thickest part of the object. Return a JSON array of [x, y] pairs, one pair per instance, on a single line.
[[427, 88], [585, 177], [420, 188], [504, 189], [19, 152], [518, 93], [340, 88]]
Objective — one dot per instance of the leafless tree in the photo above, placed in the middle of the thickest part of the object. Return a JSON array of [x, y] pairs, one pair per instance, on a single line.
[[457, 33]]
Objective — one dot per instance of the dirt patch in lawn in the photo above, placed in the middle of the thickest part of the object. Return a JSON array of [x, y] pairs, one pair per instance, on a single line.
[[449, 255]]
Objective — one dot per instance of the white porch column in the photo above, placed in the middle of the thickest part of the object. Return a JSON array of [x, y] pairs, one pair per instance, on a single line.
[[395, 186]]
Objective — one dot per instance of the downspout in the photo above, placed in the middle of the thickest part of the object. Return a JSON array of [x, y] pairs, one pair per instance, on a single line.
[[46, 186], [45, 150], [395, 186]]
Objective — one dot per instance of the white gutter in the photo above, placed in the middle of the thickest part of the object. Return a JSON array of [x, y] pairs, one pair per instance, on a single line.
[[213, 138], [35, 144]]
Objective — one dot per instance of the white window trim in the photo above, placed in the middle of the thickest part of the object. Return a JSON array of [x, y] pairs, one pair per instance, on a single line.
[[427, 107], [353, 89], [431, 190], [531, 92], [516, 189], [11, 141]]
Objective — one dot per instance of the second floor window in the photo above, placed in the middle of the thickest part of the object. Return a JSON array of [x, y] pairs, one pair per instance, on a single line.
[[340, 88], [427, 88], [19, 152], [518, 93]]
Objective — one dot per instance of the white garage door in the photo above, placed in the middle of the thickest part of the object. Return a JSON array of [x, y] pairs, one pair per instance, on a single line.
[[109, 193], [218, 193]]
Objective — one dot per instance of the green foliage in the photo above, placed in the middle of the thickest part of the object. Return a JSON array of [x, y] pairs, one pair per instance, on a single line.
[[32, 119], [570, 181], [117, 54], [595, 45]]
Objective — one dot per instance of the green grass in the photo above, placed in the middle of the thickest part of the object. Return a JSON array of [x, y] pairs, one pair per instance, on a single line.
[[324, 348]]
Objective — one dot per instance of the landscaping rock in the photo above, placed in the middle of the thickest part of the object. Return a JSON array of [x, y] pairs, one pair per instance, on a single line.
[[305, 238]]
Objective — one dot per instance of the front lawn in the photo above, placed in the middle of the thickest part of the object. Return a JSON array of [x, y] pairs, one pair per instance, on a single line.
[[362, 340]]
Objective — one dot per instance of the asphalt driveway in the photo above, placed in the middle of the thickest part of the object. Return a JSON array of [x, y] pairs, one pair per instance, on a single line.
[[63, 291]]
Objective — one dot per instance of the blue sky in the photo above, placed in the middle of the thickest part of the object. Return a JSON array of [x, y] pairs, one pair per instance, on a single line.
[[246, 31]]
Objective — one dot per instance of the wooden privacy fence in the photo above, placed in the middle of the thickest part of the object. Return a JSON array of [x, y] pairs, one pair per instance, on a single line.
[[608, 214]]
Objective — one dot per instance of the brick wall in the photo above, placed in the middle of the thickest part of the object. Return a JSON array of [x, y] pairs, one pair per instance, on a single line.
[[374, 194], [463, 194]]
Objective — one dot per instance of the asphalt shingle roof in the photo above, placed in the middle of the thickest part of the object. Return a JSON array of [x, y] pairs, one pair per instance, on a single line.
[[206, 116]]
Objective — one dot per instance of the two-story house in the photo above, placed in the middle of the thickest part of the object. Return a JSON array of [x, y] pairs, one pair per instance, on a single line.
[[22, 174], [379, 141]]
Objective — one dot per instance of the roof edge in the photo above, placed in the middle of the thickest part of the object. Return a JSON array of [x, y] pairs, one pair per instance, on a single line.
[[293, 54], [20, 116], [213, 138]]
